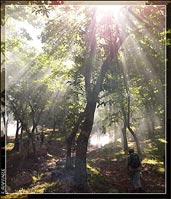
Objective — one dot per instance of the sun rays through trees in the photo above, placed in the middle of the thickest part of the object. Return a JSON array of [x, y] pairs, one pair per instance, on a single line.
[[88, 76]]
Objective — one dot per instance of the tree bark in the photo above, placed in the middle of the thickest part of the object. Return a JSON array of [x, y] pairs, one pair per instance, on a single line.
[[80, 164], [21, 134], [125, 142], [114, 133], [33, 140], [69, 162], [92, 93], [131, 131], [82, 141], [54, 127], [150, 120], [136, 141], [16, 144], [35, 122], [127, 119], [6, 127], [81, 148], [120, 90], [69, 141]]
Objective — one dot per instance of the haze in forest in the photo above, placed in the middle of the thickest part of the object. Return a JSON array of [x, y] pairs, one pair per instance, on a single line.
[[90, 79]]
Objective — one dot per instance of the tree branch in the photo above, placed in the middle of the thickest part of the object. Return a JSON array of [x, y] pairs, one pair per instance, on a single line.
[[113, 53], [76, 126]]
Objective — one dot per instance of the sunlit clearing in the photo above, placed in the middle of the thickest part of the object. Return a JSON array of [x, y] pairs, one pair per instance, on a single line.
[[99, 140], [12, 129]]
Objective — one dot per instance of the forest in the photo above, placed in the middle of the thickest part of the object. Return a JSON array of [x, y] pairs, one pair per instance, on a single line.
[[83, 84]]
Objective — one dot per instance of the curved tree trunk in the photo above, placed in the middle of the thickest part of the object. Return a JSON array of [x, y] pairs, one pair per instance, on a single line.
[[125, 142], [82, 141], [131, 131], [92, 93], [81, 148], [136, 141], [127, 118]]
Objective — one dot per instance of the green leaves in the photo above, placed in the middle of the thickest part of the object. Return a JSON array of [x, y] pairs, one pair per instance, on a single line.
[[66, 59], [25, 34]]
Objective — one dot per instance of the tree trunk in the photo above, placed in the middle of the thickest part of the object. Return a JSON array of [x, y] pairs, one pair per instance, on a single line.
[[80, 164], [70, 139], [81, 148], [6, 128], [125, 142], [127, 118], [69, 162], [54, 127], [131, 131], [33, 140], [136, 141], [91, 96], [120, 90], [21, 134], [150, 120], [114, 133], [92, 93], [16, 143], [150, 130]]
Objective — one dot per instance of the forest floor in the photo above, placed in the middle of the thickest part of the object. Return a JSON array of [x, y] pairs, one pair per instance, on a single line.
[[106, 168]]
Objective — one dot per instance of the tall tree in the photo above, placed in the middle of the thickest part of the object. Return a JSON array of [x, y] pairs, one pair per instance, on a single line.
[[85, 42], [92, 93]]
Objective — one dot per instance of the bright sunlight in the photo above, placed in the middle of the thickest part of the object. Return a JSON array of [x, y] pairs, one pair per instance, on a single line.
[[84, 83], [107, 11]]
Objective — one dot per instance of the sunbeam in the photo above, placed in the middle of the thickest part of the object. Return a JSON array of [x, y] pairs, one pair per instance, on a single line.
[[85, 81], [107, 11]]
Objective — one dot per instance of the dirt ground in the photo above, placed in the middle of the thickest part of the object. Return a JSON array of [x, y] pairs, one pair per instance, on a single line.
[[110, 175]]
